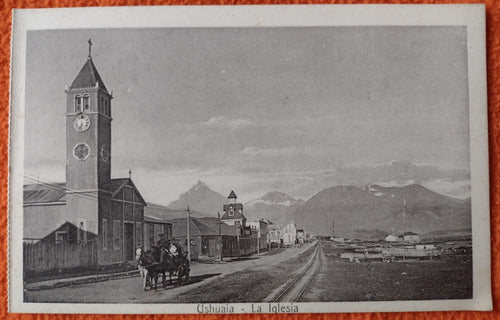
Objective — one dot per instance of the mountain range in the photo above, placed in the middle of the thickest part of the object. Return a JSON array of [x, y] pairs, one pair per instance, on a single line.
[[354, 212], [454, 182], [350, 211], [273, 206]]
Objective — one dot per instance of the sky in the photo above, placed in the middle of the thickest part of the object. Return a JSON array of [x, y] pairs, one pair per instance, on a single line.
[[254, 109]]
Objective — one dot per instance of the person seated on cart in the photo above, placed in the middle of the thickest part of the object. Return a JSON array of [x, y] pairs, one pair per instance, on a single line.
[[175, 251], [162, 242]]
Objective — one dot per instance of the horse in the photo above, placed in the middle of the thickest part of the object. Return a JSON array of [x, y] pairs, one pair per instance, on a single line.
[[147, 266], [158, 261], [140, 255]]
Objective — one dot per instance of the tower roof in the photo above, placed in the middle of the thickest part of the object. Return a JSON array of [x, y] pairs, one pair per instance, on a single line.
[[232, 195], [88, 77]]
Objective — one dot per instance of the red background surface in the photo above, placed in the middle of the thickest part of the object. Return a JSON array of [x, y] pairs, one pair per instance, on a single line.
[[493, 61]]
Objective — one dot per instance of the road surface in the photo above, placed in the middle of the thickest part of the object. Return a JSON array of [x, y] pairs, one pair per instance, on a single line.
[[129, 290]]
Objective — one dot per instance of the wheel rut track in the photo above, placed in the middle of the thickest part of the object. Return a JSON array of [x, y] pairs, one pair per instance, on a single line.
[[294, 289]]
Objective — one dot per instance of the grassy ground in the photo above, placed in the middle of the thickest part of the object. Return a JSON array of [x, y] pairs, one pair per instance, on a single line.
[[449, 277]]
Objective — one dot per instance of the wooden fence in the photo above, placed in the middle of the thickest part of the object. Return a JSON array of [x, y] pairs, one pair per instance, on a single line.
[[45, 256]]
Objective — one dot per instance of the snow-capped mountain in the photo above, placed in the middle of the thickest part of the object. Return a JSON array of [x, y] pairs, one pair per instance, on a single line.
[[273, 206], [453, 182], [373, 209], [200, 198]]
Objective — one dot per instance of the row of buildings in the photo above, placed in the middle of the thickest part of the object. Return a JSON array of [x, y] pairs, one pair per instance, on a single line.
[[209, 237]]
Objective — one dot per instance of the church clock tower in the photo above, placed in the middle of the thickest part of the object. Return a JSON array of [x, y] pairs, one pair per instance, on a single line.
[[88, 144], [88, 130]]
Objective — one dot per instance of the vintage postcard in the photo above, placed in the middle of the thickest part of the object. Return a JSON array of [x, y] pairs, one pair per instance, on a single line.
[[249, 159]]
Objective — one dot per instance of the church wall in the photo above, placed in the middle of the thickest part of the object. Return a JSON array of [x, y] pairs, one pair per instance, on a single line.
[[107, 254], [128, 213], [82, 209], [120, 211], [104, 165], [139, 225], [81, 174], [111, 211]]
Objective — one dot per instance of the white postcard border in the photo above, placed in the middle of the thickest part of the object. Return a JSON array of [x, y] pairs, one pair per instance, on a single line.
[[471, 15]]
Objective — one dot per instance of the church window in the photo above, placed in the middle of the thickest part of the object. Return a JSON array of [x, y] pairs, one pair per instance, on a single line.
[[81, 151], [78, 104], [138, 234], [116, 234], [106, 107], [61, 236], [231, 211], [104, 234], [86, 104]]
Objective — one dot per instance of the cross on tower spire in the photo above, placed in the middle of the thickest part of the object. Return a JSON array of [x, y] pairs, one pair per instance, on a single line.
[[90, 48]]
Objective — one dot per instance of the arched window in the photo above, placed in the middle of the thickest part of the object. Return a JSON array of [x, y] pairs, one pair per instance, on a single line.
[[106, 108], [78, 104], [86, 103]]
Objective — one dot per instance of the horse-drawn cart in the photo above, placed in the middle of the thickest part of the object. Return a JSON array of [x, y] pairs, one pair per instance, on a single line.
[[158, 262]]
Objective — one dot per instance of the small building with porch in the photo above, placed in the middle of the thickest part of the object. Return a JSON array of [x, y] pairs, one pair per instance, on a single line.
[[289, 234], [410, 237], [301, 236], [275, 235]]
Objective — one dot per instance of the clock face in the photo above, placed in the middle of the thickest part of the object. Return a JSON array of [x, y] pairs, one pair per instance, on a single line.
[[104, 153], [81, 151], [81, 122]]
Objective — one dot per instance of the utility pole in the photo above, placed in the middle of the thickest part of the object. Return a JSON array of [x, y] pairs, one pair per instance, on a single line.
[[333, 229], [238, 239], [404, 227], [258, 240], [188, 235], [220, 235]]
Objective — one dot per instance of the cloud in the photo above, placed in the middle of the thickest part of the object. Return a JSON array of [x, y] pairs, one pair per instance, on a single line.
[[252, 151], [457, 189], [223, 122]]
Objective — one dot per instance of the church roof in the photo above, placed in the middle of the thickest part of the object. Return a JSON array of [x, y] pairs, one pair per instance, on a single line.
[[232, 195], [118, 184], [88, 77], [56, 192], [44, 193]]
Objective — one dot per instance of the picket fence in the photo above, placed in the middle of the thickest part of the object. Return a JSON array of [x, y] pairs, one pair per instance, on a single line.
[[45, 256]]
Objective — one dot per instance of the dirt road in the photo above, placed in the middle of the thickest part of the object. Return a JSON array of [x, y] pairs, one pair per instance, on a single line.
[[129, 290]]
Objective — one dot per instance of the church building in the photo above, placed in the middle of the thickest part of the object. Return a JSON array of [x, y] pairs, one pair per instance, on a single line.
[[90, 205]]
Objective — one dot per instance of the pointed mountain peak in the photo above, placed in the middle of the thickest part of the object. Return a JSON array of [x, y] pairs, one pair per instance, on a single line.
[[277, 197], [88, 77], [200, 198], [199, 185]]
